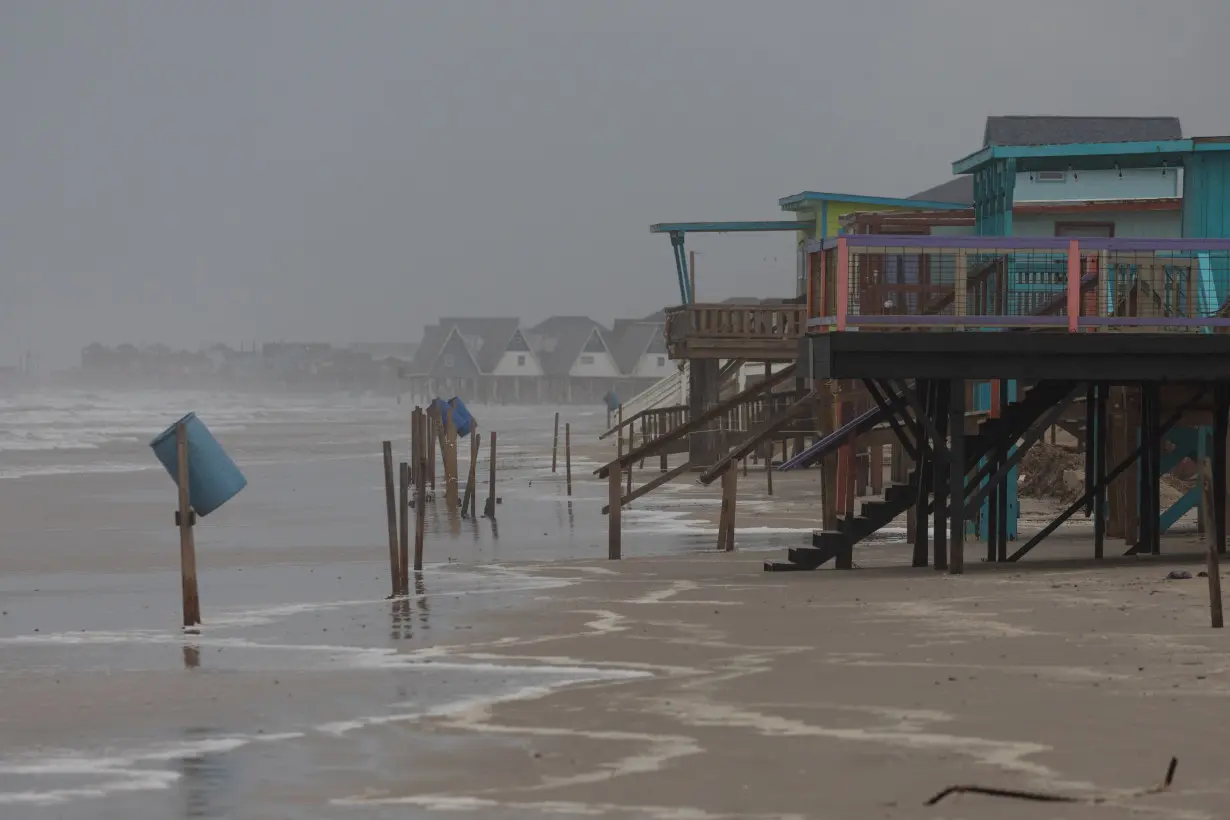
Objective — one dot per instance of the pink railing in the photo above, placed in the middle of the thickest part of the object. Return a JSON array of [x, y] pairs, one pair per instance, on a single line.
[[886, 282]]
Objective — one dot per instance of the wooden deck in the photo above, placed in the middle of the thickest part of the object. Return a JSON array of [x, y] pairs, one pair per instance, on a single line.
[[724, 331]]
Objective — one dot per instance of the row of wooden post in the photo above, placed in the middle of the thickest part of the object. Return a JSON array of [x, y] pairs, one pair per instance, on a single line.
[[428, 431], [567, 452]]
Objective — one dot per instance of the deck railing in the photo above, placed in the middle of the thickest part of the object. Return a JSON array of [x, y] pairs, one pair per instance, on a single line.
[[888, 282], [734, 322]]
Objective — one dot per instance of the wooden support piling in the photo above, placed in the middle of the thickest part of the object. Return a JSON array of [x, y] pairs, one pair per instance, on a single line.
[[568, 456], [730, 484], [449, 452], [489, 507], [956, 475], [420, 514], [1217, 545], [1097, 438], [403, 540], [942, 463], [555, 441], [391, 508], [469, 501], [614, 486], [186, 518]]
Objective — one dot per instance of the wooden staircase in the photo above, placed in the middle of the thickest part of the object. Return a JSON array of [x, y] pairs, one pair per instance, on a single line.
[[838, 544]]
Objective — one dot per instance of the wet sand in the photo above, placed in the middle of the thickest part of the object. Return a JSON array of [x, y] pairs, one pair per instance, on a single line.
[[846, 695], [519, 681]]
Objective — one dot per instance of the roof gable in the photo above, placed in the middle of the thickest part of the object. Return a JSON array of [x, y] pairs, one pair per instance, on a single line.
[[1049, 130], [559, 340], [959, 191]]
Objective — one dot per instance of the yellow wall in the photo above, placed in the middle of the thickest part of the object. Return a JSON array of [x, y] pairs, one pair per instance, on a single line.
[[837, 209]]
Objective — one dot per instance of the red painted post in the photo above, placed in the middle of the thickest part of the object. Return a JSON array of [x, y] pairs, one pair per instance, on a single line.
[[842, 275], [1074, 284]]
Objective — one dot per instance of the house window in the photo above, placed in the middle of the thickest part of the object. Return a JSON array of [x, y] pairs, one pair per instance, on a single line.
[[448, 360], [1051, 176], [587, 360], [661, 361], [1092, 229], [520, 361]]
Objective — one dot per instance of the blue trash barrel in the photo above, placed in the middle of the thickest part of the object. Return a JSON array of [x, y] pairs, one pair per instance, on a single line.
[[213, 479], [462, 419]]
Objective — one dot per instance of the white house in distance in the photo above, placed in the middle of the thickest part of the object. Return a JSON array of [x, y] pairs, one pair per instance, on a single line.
[[563, 359], [640, 348]]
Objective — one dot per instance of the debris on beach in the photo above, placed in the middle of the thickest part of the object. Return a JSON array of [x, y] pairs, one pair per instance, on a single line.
[[1043, 472]]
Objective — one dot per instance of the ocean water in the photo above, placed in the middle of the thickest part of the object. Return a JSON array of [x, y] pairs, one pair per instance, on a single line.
[[304, 678]]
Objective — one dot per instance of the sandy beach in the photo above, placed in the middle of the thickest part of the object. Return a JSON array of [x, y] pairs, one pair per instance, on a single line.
[[526, 676]]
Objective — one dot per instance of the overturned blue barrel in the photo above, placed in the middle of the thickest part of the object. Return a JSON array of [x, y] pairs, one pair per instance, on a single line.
[[213, 479], [462, 420]]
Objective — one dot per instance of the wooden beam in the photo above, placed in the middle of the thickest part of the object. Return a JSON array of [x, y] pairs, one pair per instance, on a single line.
[[655, 446], [766, 430], [1080, 502], [650, 486]]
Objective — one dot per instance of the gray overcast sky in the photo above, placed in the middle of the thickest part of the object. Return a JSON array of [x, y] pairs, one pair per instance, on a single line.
[[190, 172]]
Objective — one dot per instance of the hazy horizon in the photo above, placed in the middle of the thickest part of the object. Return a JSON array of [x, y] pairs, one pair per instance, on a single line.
[[186, 173]]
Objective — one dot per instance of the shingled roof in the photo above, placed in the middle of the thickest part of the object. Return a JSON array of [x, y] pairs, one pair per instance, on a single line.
[[487, 339], [1048, 130], [558, 341], [633, 339], [959, 191]]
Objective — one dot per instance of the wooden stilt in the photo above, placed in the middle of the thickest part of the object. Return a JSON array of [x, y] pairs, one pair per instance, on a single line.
[[615, 484], [1098, 436], [924, 478], [956, 474], [940, 472], [391, 509], [1217, 545], [420, 513], [403, 539]]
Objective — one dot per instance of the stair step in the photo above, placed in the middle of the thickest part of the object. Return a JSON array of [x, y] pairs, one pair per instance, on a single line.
[[785, 566], [897, 493]]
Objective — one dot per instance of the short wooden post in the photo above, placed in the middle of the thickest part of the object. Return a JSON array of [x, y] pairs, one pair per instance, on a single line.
[[185, 519], [768, 467], [489, 507], [734, 498], [403, 541], [568, 455], [467, 500], [555, 442], [420, 514], [449, 451], [391, 508], [431, 430], [615, 496]]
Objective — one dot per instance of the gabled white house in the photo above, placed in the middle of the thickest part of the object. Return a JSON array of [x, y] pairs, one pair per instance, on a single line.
[[517, 359], [594, 360]]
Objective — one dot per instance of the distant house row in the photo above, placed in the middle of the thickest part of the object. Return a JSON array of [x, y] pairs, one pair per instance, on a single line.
[[564, 359]]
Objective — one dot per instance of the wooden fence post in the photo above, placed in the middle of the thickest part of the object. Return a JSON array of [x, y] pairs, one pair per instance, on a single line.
[[614, 490], [420, 514], [403, 541], [185, 519], [555, 442], [568, 455], [489, 507], [391, 508]]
